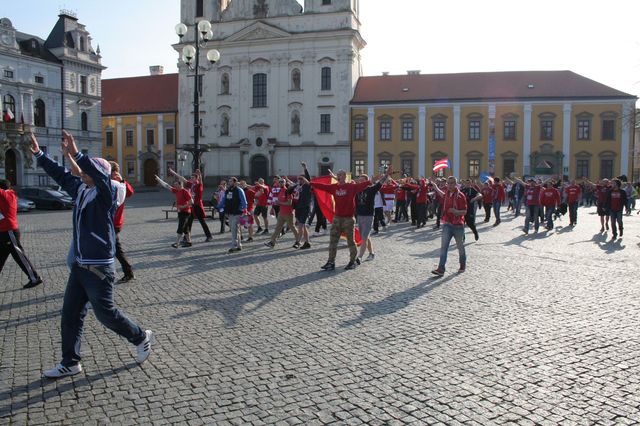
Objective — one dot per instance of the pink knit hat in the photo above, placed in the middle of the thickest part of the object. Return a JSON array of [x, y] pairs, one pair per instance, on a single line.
[[102, 165]]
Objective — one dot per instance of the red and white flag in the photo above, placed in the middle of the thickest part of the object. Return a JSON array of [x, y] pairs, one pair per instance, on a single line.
[[441, 165], [10, 114]]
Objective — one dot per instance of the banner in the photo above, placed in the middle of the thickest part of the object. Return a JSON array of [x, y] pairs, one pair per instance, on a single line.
[[327, 205]]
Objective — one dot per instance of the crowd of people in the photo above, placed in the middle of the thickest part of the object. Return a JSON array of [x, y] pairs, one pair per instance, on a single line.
[[356, 209]]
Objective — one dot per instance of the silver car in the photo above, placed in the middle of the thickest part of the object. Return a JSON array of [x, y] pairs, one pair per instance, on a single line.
[[25, 205]]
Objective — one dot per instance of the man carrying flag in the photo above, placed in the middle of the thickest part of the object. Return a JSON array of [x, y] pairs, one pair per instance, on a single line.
[[344, 195]]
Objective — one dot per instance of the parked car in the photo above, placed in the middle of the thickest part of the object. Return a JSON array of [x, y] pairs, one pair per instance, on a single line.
[[25, 205], [47, 198]]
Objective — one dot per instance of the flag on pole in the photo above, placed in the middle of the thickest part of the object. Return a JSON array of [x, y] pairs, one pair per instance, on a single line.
[[10, 114], [441, 165]]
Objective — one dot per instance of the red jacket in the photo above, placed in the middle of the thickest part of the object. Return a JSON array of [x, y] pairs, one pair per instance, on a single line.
[[8, 210], [550, 197], [118, 218], [422, 192], [458, 201]]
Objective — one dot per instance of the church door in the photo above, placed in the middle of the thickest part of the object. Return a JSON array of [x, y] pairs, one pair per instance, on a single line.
[[150, 170], [11, 167], [259, 168]]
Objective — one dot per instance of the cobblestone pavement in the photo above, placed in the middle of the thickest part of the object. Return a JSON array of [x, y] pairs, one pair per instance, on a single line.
[[541, 329]]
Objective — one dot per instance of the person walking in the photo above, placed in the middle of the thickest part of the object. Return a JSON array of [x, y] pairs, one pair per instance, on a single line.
[[343, 222], [454, 208], [616, 202], [234, 204], [473, 196], [365, 210], [184, 201], [118, 221], [196, 187], [573, 193], [10, 235], [262, 206], [284, 202], [550, 200], [93, 274]]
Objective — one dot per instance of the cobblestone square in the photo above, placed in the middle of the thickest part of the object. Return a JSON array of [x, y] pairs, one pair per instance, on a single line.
[[540, 329]]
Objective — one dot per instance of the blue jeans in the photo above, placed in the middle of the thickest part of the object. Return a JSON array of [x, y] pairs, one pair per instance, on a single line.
[[548, 216], [457, 232], [93, 286], [518, 205], [496, 210], [616, 219], [573, 212], [532, 215]]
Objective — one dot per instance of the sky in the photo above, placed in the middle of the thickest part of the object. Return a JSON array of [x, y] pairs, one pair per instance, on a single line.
[[599, 40]]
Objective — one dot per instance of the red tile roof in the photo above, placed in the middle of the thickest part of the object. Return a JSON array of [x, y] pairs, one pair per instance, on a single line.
[[481, 86], [140, 95]]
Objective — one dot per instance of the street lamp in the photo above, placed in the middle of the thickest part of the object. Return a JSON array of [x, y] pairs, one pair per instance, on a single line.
[[191, 57]]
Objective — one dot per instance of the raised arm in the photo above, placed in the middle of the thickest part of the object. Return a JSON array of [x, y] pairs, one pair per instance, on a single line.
[[435, 187], [306, 172], [176, 175], [62, 176], [162, 183]]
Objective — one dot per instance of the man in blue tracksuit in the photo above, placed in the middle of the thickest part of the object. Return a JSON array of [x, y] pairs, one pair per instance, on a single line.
[[93, 272]]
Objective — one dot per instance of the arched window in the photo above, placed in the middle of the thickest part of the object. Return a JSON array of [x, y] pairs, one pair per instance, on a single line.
[[84, 123], [9, 109], [39, 117], [295, 79], [295, 123], [224, 125], [224, 84]]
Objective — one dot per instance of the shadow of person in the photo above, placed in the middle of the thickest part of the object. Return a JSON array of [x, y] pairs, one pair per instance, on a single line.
[[396, 301]]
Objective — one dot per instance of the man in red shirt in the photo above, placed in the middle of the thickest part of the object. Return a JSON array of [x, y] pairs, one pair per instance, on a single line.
[[184, 201], [602, 193], [196, 187], [422, 196], [616, 202], [10, 234], [262, 192], [499, 196], [454, 208], [573, 192], [344, 195], [284, 201], [550, 200], [487, 198]]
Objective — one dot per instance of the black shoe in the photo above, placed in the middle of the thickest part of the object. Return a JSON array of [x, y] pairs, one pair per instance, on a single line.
[[208, 240], [222, 231], [265, 232], [305, 246], [259, 230], [249, 239], [350, 265], [175, 245], [186, 244], [621, 232], [358, 261], [234, 249], [126, 279], [296, 245], [329, 266], [32, 284], [476, 236], [269, 244]]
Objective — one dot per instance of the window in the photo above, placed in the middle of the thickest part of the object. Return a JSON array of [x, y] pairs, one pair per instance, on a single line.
[[150, 137], [82, 44], [200, 85], [224, 125], [608, 130], [385, 130], [474, 168], [8, 73], [326, 2], [9, 104], [606, 168], [358, 130], [295, 123], [325, 81], [169, 136], [83, 84], [439, 130], [407, 166], [199, 7], [131, 168], [474, 130], [39, 113], [407, 130], [84, 121], [584, 129], [546, 130], [109, 139], [224, 84], [508, 166], [259, 90], [582, 168], [128, 137], [509, 132], [385, 163], [325, 123], [359, 167], [39, 79], [295, 79]]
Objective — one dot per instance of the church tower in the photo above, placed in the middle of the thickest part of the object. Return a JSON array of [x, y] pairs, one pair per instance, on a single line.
[[280, 92]]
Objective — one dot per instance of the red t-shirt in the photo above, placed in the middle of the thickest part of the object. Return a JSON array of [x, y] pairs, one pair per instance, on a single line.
[[550, 197], [263, 199], [8, 210], [616, 200], [456, 200], [487, 195], [401, 195], [197, 189], [282, 198], [498, 192], [573, 193], [532, 195], [601, 193], [183, 197], [250, 195], [344, 195]]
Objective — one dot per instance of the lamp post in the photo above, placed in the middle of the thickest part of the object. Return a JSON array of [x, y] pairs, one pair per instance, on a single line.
[[191, 55], [182, 157]]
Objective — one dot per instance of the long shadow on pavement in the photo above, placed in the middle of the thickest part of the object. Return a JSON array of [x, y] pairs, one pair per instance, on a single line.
[[396, 301]]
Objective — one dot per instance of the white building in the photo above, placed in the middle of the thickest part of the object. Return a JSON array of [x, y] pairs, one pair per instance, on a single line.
[[47, 85], [281, 90]]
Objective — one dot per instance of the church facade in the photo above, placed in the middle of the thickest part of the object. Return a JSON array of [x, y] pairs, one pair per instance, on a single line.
[[280, 92]]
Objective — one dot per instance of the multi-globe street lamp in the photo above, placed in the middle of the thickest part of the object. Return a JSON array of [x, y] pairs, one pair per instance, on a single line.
[[191, 57]]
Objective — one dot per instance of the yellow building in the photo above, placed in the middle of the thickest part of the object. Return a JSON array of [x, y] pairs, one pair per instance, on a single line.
[[527, 123], [140, 125]]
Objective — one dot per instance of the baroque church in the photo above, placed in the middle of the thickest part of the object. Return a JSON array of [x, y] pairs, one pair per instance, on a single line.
[[280, 92]]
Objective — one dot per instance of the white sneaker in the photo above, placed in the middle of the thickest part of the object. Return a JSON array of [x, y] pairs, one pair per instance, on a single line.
[[62, 371], [144, 348]]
